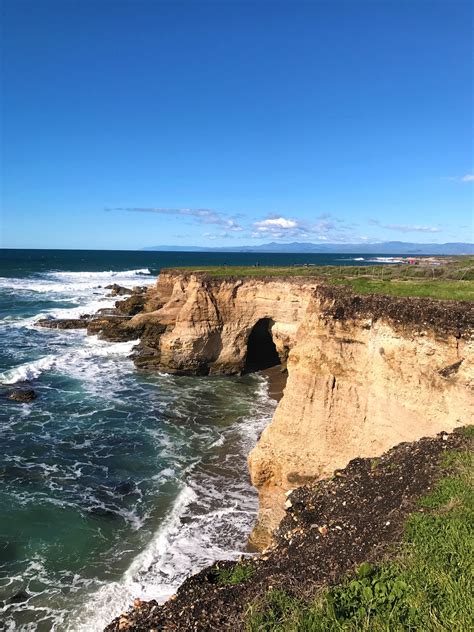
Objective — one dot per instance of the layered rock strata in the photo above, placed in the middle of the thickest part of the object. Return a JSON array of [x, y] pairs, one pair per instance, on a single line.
[[364, 374], [208, 321]]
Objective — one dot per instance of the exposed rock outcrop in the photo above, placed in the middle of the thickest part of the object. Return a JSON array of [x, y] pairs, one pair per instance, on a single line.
[[358, 385], [22, 395], [109, 323], [132, 305], [118, 290], [208, 321], [64, 323]]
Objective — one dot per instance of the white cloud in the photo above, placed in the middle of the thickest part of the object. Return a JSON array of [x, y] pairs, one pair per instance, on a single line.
[[233, 226], [275, 222], [406, 228], [278, 227], [468, 177], [324, 228], [200, 215]]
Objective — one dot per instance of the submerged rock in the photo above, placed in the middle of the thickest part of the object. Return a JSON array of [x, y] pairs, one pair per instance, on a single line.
[[22, 395], [64, 323], [118, 290], [19, 597]]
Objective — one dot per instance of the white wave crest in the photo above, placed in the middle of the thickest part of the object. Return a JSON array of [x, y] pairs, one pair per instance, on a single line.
[[385, 260], [180, 547], [101, 275], [73, 282], [115, 597], [27, 371], [85, 290], [71, 362]]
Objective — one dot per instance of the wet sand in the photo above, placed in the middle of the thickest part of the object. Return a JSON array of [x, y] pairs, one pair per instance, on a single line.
[[277, 381]]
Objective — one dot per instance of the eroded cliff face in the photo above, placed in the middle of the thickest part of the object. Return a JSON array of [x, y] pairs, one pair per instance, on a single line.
[[208, 321], [364, 372], [357, 387]]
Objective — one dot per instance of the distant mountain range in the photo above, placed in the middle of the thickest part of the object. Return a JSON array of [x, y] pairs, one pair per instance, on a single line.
[[382, 248]]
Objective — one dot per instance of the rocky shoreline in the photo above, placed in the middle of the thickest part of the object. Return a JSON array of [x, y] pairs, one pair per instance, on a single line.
[[124, 310]]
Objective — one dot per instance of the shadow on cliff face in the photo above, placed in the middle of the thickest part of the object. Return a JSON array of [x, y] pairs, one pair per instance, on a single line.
[[261, 350]]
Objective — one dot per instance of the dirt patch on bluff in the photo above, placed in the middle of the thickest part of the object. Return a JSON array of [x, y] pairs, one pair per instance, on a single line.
[[329, 528]]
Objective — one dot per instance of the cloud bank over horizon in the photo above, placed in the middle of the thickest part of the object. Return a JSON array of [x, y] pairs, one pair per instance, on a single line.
[[223, 227]]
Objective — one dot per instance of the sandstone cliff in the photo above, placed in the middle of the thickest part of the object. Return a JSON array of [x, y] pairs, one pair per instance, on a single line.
[[208, 321], [364, 372], [356, 386]]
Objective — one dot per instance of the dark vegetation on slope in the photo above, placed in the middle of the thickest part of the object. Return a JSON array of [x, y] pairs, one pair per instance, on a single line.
[[417, 314], [384, 545], [427, 585]]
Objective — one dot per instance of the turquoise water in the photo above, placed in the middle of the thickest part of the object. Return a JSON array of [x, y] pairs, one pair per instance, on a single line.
[[114, 483]]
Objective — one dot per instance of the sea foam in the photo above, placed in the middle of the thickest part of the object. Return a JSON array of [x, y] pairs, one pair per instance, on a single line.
[[67, 362]]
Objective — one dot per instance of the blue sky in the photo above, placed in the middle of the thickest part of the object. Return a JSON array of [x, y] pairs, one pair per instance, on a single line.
[[135, 123]]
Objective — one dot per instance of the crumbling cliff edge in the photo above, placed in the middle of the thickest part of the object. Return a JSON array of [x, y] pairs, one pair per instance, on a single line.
[[364, 372]]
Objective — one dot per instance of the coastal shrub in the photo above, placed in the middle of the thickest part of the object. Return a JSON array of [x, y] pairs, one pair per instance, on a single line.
[[468, 431], [277, 611], [428, 587], [235, 575], [373, 598], [373, 592]]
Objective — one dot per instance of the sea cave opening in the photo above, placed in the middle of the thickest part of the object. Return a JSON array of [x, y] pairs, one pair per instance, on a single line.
[[261, 350]]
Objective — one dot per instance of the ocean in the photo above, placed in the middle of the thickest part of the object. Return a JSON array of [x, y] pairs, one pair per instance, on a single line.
[[114, 483]]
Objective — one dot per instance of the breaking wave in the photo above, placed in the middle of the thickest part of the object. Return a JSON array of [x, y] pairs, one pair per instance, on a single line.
[[71, 361]]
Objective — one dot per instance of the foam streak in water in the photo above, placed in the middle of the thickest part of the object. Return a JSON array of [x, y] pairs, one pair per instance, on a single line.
[[210, 520], [94, 348]]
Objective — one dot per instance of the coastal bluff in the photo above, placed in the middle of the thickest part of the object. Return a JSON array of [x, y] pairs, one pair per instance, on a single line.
[[365, 372]]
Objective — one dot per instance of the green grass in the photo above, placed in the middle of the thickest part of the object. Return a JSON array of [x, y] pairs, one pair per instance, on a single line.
[[235, 575], [440, 289], [453, 280], [427, 587]]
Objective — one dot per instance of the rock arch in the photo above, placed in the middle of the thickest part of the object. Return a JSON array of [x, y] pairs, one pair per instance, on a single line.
[[261, 349]]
